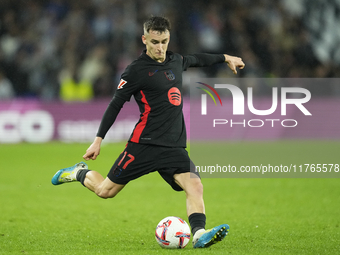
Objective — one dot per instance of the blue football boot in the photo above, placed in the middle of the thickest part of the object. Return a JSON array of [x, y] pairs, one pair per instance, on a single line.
[[205, 238], [68, 174]]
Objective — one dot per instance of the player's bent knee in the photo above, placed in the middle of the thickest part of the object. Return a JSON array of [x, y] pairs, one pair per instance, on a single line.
[[191, 185], [198, 188], [109, 189], [196, 183], [106, 194]]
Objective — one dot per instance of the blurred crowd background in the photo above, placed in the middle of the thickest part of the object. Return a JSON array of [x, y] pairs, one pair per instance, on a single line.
[[76, 50]]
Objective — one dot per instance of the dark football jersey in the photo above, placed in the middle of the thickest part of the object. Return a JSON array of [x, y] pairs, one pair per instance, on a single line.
[[157, 89]]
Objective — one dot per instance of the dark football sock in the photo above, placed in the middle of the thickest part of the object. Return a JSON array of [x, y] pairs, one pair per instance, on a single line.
[[197, 222], [81, 176]]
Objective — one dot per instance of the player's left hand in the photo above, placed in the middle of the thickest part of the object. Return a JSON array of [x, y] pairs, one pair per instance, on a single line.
[[234, 63]]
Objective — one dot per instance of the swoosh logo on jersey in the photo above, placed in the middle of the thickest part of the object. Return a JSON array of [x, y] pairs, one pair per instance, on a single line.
[[152, 73]]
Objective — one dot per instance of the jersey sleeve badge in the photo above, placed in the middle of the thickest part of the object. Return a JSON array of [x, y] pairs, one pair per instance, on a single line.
[[121, 84]]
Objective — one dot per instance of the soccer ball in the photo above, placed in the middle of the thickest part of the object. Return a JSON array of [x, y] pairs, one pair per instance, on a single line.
[[172, 233]]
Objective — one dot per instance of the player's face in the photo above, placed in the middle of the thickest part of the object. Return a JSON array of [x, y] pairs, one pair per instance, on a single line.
[[156, 44]]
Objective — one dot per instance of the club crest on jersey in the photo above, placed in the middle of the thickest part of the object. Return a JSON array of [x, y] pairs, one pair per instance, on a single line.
[[121, 84], [169, 75]]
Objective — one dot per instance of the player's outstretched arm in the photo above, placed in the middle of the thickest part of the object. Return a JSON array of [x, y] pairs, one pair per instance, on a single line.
[[234, 63], [93, 151]]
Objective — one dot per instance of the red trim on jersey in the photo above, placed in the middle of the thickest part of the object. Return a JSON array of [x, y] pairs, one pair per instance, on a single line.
[[141, 125]]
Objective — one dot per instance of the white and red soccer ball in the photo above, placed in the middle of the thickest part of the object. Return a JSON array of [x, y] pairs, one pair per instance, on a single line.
[[172, 233]]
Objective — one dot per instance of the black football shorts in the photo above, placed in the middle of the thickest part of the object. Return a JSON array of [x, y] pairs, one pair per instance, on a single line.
[[140, 159]]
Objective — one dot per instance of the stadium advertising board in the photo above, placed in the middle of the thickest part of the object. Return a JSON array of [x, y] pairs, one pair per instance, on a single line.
[[38, 122]]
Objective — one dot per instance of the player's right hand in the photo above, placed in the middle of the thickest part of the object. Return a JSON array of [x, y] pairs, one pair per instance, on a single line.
[[93, 151]]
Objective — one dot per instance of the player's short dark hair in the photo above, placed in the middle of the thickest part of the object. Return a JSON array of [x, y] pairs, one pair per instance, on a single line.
[[156, 23]]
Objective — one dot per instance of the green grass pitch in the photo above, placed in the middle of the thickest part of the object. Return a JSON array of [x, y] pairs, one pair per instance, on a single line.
[[266, 216]]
